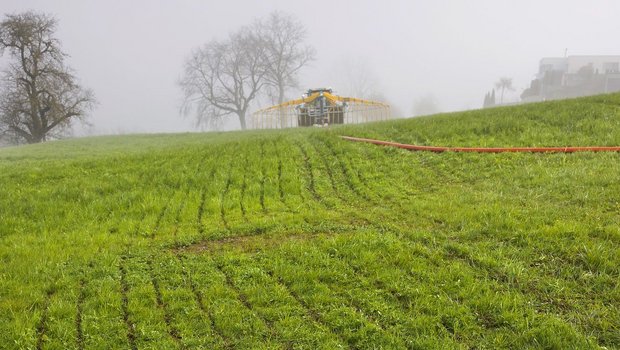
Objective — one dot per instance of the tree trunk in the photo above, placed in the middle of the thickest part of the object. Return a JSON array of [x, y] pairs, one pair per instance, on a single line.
[[282, 116], [241, 115], [280, 93], [36, 137]]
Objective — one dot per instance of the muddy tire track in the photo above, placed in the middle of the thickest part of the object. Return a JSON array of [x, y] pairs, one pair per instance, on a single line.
[[42, 324], [244, 300], [199, 298], [347, 175], [244, 186], [172, 330], [313, 314], [124, 286], [262, 176], [309, 174]]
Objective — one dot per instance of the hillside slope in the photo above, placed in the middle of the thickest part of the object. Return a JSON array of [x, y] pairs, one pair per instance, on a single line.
[[298, 239]]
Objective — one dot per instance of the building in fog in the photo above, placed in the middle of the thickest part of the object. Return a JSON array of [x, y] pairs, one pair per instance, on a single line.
[[574, 76]]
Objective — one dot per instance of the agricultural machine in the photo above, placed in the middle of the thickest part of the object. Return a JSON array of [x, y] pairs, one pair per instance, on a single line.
[[319, 107]]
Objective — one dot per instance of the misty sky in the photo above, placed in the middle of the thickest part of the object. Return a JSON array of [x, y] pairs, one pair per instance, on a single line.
[[131, 53]]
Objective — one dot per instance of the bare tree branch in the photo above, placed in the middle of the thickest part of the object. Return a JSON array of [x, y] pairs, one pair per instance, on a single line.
[[285, 54]]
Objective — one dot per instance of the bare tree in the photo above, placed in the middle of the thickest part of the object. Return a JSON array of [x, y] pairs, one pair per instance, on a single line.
[[39, 96], [222, 78], [355, 77], [425, 105], [285, 53], [503, 84]]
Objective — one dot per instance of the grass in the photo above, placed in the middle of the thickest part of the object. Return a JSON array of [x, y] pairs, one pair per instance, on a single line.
[[297, 239]]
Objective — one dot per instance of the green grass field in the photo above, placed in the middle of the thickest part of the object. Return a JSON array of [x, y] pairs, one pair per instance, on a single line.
[[297, 239]]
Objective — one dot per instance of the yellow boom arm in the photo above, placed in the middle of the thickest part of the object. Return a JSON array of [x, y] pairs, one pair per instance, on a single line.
[[328, 96]]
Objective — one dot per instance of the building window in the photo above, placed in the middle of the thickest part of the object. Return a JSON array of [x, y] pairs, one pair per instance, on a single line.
[[545, 68], [611, 67]]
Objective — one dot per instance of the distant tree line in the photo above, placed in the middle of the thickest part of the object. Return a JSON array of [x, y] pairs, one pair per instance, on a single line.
[[425, 105], [224, 77], [502, 85], [489, 99]]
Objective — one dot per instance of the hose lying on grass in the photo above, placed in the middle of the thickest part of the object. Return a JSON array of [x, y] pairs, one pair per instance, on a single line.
[[486, 149]]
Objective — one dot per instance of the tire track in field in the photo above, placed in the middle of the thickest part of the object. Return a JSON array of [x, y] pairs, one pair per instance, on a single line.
[[280, 187], [136, 230], [403, 299], [361, 276], [129, 324], [203, 197], [353, 303], [79, 330], [378, 284], [242, 192], [310, 183], [177, 217], [375, 160], [201, 208], [345, 172], [177, 189], [172, 330], [224, 194], [397, 296], [354, 217], [42, 324], [161, 213], [526, 287], [226, 189], [332, 181], [301, 192], [360, 310], [107, 215], [160, 216], [78, 317], [198, 297], [129, 204], [165, 208], [309, 174], [262, 176], [528, 291], [244, 300], [360, 175], [273, 178], [314, 315], [113, 227], [329, 172], [280, 180], [254, 171]]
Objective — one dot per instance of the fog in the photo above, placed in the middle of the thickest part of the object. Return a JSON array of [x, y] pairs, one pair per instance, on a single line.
[[131, 53]]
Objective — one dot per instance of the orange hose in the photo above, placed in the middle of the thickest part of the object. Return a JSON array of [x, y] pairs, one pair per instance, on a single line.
[[485, 149]]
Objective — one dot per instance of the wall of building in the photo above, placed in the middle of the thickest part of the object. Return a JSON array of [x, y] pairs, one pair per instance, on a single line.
[[575, 63], [573, 76], [551, 63]]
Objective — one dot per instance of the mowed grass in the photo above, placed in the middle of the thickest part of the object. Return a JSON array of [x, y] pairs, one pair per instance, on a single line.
[[297, 239]]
